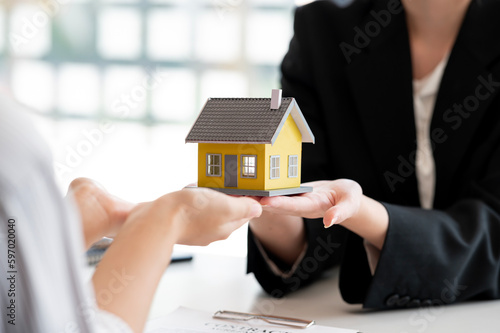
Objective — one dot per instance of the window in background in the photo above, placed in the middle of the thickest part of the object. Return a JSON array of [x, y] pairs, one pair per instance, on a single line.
[[2, 24], [159, 59]]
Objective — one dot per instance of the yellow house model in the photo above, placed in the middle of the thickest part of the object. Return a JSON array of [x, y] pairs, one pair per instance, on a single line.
[[251, 146]]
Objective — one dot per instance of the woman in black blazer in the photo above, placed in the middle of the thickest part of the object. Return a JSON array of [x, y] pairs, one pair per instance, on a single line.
[[409, 228]]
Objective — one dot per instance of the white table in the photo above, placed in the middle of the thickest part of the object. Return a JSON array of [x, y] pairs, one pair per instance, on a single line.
[[212, 283]]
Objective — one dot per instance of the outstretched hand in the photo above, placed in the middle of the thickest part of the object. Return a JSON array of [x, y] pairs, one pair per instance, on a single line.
[[101, 213], [201, 216], [334, 201]]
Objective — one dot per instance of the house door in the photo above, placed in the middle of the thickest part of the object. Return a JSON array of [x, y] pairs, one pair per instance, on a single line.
[[230, 171]]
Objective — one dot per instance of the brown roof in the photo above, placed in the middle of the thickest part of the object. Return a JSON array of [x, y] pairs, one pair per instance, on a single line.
[[240, 120]]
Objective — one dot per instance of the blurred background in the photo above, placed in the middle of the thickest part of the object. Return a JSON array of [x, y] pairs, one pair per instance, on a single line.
[[115, 85]]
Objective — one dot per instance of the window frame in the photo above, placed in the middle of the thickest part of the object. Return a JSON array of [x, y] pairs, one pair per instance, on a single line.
[[293, 167], [243, 166], [208, 165], [275, 168]]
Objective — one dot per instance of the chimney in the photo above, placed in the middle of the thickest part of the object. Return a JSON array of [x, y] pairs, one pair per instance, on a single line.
[[276, 99]]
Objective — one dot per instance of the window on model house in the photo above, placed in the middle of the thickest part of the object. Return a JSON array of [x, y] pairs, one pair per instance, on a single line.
[[214, 165], [248, 166], [275, 167], [293, 166]]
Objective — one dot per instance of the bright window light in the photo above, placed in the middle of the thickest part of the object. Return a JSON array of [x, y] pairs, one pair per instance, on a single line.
[[169, 34], [303, 2], [174, 99], [223, 84], [218, 38], [33, 84], [166, 1], [119, 33], [125, 92], [78, 89], [2, 35], [120, 1], [269, 2], [30, 31], [268, 36], [75, 30]]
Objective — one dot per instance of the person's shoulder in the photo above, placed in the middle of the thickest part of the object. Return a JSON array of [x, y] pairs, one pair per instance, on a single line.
[[20, 144], [331, 18], [336, 9], [16, 124]]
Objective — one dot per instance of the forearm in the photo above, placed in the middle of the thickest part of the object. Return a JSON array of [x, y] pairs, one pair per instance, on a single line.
[[282, 235], [371, 222], [126, 279]]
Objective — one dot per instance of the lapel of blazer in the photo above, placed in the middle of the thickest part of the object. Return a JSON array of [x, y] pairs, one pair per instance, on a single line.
[[380, 79], [470, 83]]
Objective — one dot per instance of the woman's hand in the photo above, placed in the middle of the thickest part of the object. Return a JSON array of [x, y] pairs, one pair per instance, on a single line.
[[339, 201], [202, 216], [101, 213], [334, 201]]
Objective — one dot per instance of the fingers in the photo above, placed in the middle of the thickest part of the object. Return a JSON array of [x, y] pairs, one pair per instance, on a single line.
[[228, 208], [309, 205], [282, 203], [337, 214], [243, 209]]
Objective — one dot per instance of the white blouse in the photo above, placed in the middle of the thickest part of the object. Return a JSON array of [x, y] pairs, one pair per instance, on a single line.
[[47, 291], [424, 98]]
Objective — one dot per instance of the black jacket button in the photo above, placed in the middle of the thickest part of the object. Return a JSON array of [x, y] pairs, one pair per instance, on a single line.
[[414, 303], [426, 302], [392, 300], [403, 301]]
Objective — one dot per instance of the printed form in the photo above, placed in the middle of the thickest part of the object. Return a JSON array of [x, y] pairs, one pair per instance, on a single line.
[[184, 320]]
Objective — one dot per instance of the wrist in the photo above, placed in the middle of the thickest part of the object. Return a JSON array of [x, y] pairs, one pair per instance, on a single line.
[[160, 215], [371, 222]]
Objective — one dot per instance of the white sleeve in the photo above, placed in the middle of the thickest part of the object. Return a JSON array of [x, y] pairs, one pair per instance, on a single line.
[[41, 242], [373, 256], [108, 322], [272, 265]]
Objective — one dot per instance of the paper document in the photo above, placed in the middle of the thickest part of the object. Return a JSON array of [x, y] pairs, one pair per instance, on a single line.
[[185, 320]]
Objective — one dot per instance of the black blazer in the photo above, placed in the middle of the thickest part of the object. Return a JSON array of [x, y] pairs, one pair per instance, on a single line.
[[360, 108]]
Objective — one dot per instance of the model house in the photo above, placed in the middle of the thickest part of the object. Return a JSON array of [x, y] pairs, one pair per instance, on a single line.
[[251, 146]]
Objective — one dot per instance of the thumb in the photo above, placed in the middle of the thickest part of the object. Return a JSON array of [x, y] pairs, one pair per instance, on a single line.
[[338, 213], [254, 208], [241, 208], [332, 216]]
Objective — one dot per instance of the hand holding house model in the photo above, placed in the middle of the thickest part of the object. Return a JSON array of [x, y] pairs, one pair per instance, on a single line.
[[251, 146]]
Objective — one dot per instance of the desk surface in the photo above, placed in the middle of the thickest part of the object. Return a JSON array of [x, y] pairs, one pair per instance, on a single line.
[[212, 283]]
